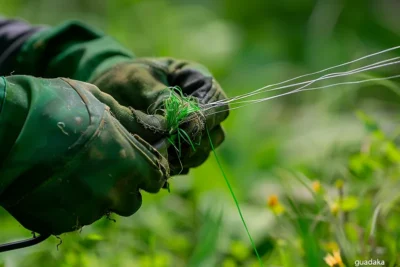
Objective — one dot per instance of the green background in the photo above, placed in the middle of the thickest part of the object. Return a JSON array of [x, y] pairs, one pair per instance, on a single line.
[[276, 147]]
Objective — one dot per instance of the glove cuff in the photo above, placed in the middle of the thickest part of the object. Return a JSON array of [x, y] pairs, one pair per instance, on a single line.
[[71, 50]]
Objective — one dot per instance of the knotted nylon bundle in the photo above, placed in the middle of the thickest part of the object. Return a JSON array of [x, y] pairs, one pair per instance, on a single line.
[[178, 109]]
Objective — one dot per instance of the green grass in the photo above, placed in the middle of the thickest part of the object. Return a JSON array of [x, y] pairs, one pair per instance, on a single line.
[[178, 109], [343, 219], [345, 214]]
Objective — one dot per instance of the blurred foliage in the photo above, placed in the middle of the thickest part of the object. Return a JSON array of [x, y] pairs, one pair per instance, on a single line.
[[284, 147]]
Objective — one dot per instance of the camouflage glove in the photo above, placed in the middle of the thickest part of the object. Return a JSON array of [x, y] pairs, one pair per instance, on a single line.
[[141, 84], [66, 161]]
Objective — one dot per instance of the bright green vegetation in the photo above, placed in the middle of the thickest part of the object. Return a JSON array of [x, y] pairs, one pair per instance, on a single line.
[[179, 109], [327, 162]]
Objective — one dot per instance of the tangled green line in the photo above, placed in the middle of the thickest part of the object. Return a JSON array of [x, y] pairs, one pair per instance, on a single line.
[[178, 108]]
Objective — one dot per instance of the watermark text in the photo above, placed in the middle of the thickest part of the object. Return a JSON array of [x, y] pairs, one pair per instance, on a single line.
[[370, 262]]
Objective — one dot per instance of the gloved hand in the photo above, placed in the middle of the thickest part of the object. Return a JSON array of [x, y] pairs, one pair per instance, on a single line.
[[81, 53], [83, 162], [142, 84]]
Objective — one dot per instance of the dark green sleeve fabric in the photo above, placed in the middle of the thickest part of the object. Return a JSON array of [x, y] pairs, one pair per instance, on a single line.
[[71, 50], [65, 161], [2, 93]]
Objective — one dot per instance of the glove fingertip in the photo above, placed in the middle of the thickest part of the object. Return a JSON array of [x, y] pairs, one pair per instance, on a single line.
[[129, 207]]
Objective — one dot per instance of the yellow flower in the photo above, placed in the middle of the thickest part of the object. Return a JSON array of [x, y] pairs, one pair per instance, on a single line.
[[334, 209], [338, 258], [330, 260], [274, 204], [316, 186], [334, 259], [273, 201]]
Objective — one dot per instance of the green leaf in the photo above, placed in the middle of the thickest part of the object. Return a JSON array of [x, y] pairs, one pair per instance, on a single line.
[[392, 152], [363, 164], [349, 203], [95, 237], [351, 231], [229, 262], [239, 250]]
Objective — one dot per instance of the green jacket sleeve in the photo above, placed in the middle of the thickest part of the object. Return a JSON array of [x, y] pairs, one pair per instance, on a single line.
[[71, 50], [65, 161]]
